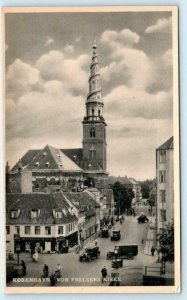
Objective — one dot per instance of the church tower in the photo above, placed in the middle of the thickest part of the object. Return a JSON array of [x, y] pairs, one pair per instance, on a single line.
[[94, 126]]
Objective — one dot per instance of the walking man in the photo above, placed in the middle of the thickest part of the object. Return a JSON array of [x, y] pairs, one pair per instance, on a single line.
[[104, 273], [152, 250]]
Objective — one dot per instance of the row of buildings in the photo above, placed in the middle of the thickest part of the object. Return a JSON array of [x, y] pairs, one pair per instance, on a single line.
[[52, 221]]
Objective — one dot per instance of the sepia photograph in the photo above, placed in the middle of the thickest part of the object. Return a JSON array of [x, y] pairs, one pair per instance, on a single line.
[[91, 150]]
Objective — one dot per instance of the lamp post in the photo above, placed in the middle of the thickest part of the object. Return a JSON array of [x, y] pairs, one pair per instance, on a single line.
[[18, 252]]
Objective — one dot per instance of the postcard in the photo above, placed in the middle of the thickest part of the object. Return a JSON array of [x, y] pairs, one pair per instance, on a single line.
[[91, 150]]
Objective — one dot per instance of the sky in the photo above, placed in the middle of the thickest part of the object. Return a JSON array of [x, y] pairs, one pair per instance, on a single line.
[[47, 69]]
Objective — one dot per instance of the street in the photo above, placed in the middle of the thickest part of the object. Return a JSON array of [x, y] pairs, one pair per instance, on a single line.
[[76, 273]]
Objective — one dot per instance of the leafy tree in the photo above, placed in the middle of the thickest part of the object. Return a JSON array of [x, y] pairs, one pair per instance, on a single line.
[[145, 188], [122, 196], [166, 241]]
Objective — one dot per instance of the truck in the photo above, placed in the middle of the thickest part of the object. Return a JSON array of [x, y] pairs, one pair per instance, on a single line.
[[123, 251], [116, 235]]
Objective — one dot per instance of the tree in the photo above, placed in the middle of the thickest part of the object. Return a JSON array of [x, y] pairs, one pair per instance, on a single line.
[[145, 188], [166, 242], [122, 197]]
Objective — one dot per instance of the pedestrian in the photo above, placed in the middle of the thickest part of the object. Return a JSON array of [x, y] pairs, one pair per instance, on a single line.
[[58, 270], [45, 270], [104, 273], [35, 256], [24, 267], [152, 250], [95, 242]]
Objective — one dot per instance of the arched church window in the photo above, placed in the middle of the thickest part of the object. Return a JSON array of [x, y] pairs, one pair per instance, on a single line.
[[92, 111], [92, 132], [92, 153], [99, 112]]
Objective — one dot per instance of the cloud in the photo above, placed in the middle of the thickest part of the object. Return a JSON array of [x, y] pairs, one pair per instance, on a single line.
[[123, 102], [162, 26], [69, 49], [54, 66], [125, 37], [128, 66], [45, 117], [20, 78], [49, 41], [167, 57]]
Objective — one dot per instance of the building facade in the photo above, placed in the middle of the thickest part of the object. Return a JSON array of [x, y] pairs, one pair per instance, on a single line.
[[165, 187], [42, 221]]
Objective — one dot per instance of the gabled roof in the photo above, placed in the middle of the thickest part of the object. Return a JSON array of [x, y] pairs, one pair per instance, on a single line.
[[169, 144], [52, 158], [46, 203]]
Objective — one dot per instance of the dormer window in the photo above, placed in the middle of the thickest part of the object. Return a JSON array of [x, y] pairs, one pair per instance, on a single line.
[[58, 214], [35, 213], [47, 164], [37, 164], [14, 213], [44, 154]]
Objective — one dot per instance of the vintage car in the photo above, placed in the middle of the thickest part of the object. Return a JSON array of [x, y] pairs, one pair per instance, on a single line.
[[105, 232], [123, 251], [89, 253], [116, 235], [142, 219]]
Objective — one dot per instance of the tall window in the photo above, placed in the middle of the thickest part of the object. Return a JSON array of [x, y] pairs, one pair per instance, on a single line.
[[99, 112], [162, 195], [47, 230], [92, 112], [92, 132], [162, 215], [162, 176], [17, 229], [7, 229], [162, 156], [27, 229], [60, 229], [37, 229], [92, 153]]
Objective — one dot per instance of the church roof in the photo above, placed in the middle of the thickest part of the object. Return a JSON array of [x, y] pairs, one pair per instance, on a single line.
[[52, 158], [49, 158], [167, 145], [26, 158]]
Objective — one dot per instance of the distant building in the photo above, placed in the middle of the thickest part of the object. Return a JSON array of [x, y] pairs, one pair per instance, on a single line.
[[165, 184]]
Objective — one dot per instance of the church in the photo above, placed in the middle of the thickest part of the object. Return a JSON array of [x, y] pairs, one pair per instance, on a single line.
[[52, 170]]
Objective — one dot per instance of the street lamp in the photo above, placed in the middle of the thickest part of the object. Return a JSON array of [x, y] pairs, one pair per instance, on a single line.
[[17, 250]]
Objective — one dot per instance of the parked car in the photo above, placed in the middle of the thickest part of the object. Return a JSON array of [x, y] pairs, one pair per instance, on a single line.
[[105, 232], [116, 235], [142, 219], [89, 253], [123, 251]]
